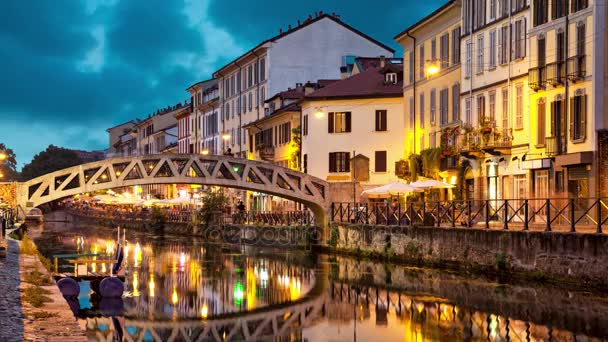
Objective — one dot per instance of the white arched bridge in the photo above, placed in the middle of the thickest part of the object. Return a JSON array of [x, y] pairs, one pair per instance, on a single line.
[[178, 169]]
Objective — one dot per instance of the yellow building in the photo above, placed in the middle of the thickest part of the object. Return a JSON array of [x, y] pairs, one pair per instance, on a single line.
[[431, 92]]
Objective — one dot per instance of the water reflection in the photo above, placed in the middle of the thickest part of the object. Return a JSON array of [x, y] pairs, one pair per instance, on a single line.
[[181, 289]]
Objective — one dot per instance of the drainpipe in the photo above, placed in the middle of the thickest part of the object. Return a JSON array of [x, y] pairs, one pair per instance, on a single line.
[[414, 83], [564, 148]]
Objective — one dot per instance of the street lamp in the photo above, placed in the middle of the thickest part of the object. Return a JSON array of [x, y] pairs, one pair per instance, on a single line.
[[432, 68], [226, 136], [319, 113], [205, 152]]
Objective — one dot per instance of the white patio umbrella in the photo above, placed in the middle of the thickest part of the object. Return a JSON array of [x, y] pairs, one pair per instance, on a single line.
[[395, 188], [431, 184]]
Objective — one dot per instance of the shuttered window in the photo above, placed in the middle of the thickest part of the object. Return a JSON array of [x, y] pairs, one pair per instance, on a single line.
[[455, 102], [381, 124], [305, 125], [339, 122], [456, 46], [339, 162], [380, 161], [541, 118], [578, 119], [444, 48], [443, 106]]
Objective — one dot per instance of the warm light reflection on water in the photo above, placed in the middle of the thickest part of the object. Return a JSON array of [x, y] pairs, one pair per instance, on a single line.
[[181, 281]]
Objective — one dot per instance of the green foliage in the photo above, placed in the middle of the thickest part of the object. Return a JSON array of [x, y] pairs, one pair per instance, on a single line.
[[37, 278], [8, 167], [36, 296], [334, 236], [39, 315], [296, 143], [415, 167], [27, 246], [52, 159], [213, 203], [430, 161]]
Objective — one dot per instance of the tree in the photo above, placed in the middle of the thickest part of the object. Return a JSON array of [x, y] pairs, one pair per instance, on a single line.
[[8, 166], [52, 159]]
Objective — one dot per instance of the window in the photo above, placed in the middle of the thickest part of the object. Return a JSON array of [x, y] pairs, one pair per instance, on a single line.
[[227, 114], [262, 69], [503, 8], [505, 107], [580, 39], [492, 105], [503, 45], [455, 102], [481, 109], [466, 15], [412, 118], [250, 101], [541, 53], [283, 135], [468, 61], [433, 140], [233, 108], [519, 39], [561, 46], [238, 81], [492, 51], [250, 76], [519, 106], [422, 61], [480, 50], [492, 9], [577, 5], [244, 103], [380, 161], [339, 162], [444, 46], [305, 125], [480, 14], [256, 73], [421, 111], [433, 49], [390, 78], [559, 9], [518, 5], [411, 71], [467, 110], [381, 125], [339, 122], [456, 45], [238, 107], [262, 95], [540, 121], [443, 106], [578, 119], [433, 106], [541, 11]]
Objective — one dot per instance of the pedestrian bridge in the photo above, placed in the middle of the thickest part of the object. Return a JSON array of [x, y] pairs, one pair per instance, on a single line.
[[221, 171]]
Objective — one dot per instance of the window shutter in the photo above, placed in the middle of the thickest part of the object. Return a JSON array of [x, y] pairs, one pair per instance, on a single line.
[[377, 120], [384, 116], [511, 45], [330, 123], [499, 32], [572, 119], [346, 156], [523, 40], [332, 162], [347, 118], [583, 109], [553, 120], [380, 161]]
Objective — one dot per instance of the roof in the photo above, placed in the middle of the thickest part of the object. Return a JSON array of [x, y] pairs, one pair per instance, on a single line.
[[365, 63], [369, 83], [307, 23], [289, 94], [292, 107], [421, 21], [122, 124], [201, 82]]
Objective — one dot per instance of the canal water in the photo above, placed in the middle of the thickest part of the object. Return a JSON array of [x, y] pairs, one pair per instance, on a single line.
[[183, 288]]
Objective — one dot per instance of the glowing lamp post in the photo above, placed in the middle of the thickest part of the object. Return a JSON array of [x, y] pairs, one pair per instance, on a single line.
[[432, 69]]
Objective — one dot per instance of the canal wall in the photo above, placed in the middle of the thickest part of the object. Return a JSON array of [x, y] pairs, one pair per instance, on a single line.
[[579, 259]]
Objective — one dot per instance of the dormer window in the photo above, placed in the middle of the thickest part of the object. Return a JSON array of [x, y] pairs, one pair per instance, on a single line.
[[391, 78]]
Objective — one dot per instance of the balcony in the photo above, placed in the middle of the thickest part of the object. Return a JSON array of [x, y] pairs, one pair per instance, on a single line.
[[556, 73], [477, 143], [537, 78], [554, 147], [266, 152], [576, 68]]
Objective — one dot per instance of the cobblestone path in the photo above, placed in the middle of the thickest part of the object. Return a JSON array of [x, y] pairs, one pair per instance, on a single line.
[[11, 317]]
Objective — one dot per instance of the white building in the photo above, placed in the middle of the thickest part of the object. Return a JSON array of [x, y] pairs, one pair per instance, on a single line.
[[312, 50], [201, 133], [361, 114]]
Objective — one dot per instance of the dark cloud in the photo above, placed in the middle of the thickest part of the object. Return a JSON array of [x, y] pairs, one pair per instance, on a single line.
[[70, 69]]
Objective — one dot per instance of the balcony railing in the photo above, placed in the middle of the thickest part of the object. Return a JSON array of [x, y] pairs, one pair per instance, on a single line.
[[491, 140], [537, 78], [554, 147], [266, 152], [556, 73], [577, 68]]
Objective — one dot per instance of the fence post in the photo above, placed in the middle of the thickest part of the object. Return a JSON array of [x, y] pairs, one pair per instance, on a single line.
[[387, 215], [506, 218], [525, 214], [487, 203], [572, 218], [399, 214], [453, 214], [366, 213], [548, 213], [598, 203], [332, 211]]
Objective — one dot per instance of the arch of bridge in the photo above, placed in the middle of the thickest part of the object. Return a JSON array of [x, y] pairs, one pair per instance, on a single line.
[[178, 169]]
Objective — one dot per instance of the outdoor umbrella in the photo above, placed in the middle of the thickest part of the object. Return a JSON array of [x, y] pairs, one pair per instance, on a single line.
[[431, 184], [386, 190]]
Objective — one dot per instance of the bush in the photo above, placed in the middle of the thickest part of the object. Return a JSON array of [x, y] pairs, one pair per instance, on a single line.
[[37, 278], [36, 296], [27, 246]]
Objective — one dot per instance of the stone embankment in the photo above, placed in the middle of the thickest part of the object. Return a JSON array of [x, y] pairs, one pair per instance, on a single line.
[[567, 258]]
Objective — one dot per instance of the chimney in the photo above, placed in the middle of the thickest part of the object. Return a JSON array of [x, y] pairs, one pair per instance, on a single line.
[[320, 13], [298, 22], [382, 61], [281, 30], [289, 27], [343, 72], [308, 88]]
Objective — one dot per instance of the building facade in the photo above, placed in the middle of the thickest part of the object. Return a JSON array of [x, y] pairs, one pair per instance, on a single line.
[[115, 135], [351, 128], [312, 50], [201, 133], [431, 93]]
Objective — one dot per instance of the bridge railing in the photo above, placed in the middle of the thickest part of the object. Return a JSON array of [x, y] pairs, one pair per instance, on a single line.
[[283, 218], [580, 215]]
